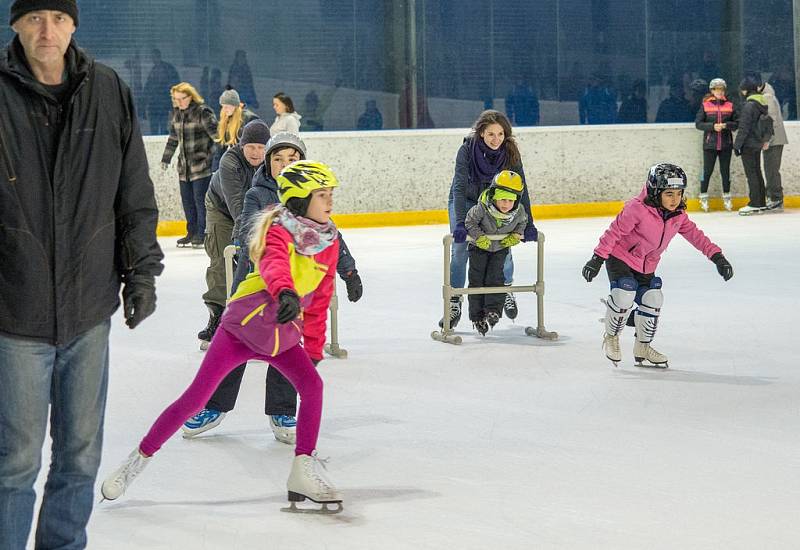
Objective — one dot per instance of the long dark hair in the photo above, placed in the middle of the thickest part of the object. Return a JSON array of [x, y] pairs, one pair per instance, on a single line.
[[489, 117], [286, 100]]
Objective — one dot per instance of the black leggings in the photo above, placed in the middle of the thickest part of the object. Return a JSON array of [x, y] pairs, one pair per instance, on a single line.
[[709, 158]]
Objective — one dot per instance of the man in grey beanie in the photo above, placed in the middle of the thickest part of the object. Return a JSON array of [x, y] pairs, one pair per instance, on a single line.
[[223, 208], [79, 218]]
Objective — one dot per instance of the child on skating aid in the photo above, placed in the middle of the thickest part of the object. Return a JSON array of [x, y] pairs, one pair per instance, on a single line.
[[295, 247], [498, 212], [631, 248]]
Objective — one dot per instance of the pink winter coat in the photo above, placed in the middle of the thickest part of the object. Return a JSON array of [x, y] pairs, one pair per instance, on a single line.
[[639, 234]]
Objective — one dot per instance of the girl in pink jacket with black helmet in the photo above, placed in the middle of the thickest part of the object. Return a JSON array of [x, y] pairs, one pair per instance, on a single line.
[[631, 248]]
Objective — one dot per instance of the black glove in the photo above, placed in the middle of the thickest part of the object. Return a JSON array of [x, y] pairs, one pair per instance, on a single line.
[[138, 298], [724, 268], [737, 152], [592, 267], [289, 307], [354, 288]]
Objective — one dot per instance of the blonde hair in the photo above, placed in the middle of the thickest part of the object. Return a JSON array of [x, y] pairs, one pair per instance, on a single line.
[[229, 126], [188, 89], [258, 235]]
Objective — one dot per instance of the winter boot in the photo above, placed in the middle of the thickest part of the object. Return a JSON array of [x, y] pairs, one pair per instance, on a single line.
[[455, 312], [203, 421], [727, 201], [308, 480], [118, 482], [284, 428], [184, 242], [510, 306], [214, 315], [704, 202]]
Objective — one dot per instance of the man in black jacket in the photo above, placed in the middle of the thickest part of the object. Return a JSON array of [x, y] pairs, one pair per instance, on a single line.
[[77, 219]]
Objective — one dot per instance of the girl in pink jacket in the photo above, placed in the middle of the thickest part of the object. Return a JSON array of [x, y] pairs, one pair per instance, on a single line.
[[632, 246]]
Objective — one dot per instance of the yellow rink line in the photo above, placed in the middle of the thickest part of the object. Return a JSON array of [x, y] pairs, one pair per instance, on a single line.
[[429, 217]]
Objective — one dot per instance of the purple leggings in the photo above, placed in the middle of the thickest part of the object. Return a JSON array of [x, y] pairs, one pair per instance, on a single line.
[[223, 355]]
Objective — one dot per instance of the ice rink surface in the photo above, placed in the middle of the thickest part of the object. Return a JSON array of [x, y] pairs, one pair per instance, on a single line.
[[502, 442]]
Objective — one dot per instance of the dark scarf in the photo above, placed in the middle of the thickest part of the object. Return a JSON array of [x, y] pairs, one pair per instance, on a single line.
[[486, 162]]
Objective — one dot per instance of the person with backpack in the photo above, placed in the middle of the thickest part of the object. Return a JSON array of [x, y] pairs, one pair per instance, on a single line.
[[755, 132]]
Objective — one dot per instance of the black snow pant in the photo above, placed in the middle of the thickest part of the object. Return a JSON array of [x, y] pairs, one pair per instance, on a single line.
[[751, 160], [772, 171], [486, 269], [709, 159], [280, 397]]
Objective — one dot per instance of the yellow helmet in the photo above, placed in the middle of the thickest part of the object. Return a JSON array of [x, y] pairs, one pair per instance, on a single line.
[[300, 178], [508, 180]]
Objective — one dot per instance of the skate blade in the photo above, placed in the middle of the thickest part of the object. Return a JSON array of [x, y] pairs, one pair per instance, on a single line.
[[324, 511], [641, 364]]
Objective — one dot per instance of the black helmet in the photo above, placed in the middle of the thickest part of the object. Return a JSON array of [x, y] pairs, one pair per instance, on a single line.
[[664, 175]]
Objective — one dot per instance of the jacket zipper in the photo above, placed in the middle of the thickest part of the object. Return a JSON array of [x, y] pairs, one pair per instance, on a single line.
[[719, 121]]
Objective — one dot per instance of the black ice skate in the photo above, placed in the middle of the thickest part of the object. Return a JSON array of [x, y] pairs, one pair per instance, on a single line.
[[492, 318], [455, 312], [205, 335], [510, 306], [184, 242], [481, 326]]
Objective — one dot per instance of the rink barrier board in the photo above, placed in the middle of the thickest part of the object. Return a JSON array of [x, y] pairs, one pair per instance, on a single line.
[[433, 217]]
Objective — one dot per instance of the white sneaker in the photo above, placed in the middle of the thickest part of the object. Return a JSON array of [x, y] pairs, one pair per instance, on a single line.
[[727, 201], [704, 202], [611, 347], [309, 480], [284, 428], [643, 351], [118, 482]]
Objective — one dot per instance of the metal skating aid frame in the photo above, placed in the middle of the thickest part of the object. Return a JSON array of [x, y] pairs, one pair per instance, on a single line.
[[331, 348], [447, 334]]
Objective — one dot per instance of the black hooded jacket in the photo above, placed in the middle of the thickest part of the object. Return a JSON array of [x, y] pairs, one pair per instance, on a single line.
[[77, 207]]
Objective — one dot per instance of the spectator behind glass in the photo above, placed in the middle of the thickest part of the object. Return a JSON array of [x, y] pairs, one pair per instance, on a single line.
[[633, 109], [598, 104], [312, 120], [785, 90], [675, 108], [193, 127], [286, 119], [522, 105], [158, 103], [240, 78], [371, 118]]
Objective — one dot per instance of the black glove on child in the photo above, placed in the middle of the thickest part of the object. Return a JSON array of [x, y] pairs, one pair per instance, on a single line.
[[138, 298], [289, 306], [354, 289], [592, 267], [724, 268]]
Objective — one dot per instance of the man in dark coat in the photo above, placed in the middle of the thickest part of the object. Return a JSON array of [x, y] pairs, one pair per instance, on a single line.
[[77, 218]]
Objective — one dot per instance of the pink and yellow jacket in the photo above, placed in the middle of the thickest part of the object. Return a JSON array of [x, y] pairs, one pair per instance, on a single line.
[[639, 234], [283, 268]]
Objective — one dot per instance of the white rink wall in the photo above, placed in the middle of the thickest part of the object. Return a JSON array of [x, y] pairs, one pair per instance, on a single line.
[[409, 170]]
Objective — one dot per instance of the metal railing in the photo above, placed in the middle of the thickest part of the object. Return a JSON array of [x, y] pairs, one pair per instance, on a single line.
[[447, 334]]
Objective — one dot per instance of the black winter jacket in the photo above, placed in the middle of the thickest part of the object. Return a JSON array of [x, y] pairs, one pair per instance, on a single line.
[[230, 183], [464, 188], [754, 106], [717, 111], [77, 208], [265, 192]]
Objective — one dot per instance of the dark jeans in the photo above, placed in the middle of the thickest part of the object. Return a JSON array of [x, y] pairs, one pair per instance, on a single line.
[[485, 269], [772, 172], [751, 160], [709, 159], [193, 197], [71, 380]]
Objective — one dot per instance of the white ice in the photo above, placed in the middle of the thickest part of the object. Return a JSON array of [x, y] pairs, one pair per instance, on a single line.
[[505, 441]]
